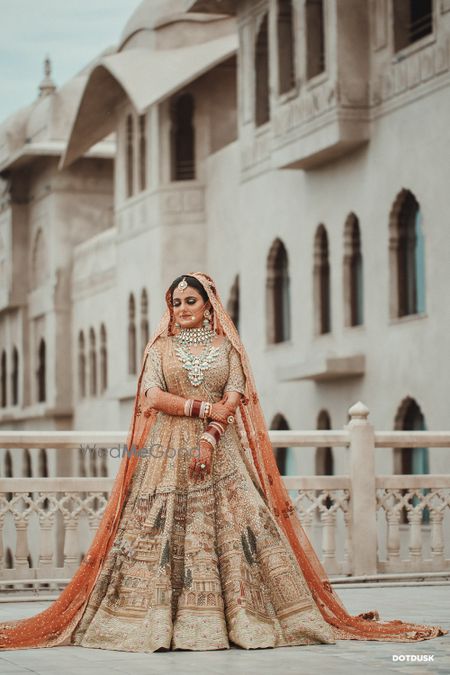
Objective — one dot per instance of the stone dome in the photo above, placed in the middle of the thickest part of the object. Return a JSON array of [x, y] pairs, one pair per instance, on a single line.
[[150, 13]]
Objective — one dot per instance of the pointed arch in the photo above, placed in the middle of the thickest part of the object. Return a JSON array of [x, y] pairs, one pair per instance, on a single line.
[[321, 285], [409, 416], [353, 273], [406, 256], [278, 310], [262, 101]]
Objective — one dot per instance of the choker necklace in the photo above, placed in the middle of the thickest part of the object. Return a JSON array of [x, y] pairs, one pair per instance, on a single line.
[[200, 335]]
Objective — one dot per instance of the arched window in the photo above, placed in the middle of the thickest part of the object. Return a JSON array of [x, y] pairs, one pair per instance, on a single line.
[[15, 377], [322, 293], [4, 380], [407, 257], [183, 138], [278, 294], [142, 152], [262, 102], [315, 38], [103, 359], [92, 363], [41, 373], [353, 273], [279, 423], [233, 302], [129, 154], [131, 335], [286, 46], [144, 320], [413, 20], [411, 460], [81, 365]]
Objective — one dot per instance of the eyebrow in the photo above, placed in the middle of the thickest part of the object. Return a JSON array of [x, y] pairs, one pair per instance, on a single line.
[[189, 296]]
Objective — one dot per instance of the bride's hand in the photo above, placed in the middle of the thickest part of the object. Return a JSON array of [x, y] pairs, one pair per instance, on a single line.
[[220, 411], [204, 457]]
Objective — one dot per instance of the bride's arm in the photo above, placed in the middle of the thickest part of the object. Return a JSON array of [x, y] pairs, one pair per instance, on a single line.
[[165, 402]]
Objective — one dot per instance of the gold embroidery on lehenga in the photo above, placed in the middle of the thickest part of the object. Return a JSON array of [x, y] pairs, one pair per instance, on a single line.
[[195, 566]]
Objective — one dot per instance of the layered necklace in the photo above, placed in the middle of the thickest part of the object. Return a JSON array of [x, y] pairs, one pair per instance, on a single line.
[[196, 364]]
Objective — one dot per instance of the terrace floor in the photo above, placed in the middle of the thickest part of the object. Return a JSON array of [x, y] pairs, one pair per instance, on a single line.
[[418, 603]]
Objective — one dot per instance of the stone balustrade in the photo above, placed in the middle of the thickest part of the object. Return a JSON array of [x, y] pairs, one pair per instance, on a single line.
[[361, 524]]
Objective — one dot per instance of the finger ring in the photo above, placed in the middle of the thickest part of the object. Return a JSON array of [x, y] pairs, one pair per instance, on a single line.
[[202, 466], [230, 419]]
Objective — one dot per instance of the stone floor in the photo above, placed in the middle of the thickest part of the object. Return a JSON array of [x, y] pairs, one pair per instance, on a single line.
[[424, 604]]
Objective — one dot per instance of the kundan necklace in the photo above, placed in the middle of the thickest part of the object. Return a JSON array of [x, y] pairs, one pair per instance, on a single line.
[[196, 364]]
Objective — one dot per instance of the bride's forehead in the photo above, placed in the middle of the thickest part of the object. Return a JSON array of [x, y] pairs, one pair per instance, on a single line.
[[189, 291]]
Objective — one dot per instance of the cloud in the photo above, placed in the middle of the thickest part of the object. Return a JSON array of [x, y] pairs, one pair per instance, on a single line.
[[71, 32]]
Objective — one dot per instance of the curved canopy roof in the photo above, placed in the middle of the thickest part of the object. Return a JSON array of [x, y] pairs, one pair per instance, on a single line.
[[144, 76]]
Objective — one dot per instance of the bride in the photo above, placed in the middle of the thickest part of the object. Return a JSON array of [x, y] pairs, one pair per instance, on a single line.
[[200, 545]]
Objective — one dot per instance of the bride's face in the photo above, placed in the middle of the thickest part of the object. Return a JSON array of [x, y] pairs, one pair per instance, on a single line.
[[188, 307]]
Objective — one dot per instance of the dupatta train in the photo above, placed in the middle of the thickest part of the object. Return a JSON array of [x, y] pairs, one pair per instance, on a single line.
[[54, 625]]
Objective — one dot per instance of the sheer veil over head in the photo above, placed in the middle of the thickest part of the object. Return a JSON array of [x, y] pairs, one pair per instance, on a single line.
[[54, 625]]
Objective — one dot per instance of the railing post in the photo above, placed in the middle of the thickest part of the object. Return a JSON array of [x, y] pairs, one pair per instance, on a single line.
[[363, 496]]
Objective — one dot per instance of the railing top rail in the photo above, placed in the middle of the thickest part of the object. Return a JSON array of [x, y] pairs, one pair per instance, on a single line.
[[56, 484], [278, 438]]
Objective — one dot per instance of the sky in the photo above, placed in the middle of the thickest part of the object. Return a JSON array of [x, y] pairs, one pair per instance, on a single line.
[[70, 32]]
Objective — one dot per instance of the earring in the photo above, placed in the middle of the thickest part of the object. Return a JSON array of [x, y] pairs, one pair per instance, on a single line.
[[177, 324], [206, 321]]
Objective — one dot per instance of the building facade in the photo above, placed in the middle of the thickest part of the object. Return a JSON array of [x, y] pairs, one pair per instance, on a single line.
[[298, 152]]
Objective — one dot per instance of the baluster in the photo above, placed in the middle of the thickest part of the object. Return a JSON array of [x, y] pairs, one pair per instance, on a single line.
[[71, 548], [22, 550], [329, 541], [348, 542], [47, 524], [437, 535], [393, 535], [415, 534], [307, 522]]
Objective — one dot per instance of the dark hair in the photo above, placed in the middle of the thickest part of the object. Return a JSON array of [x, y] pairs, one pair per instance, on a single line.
[[192, 282]]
